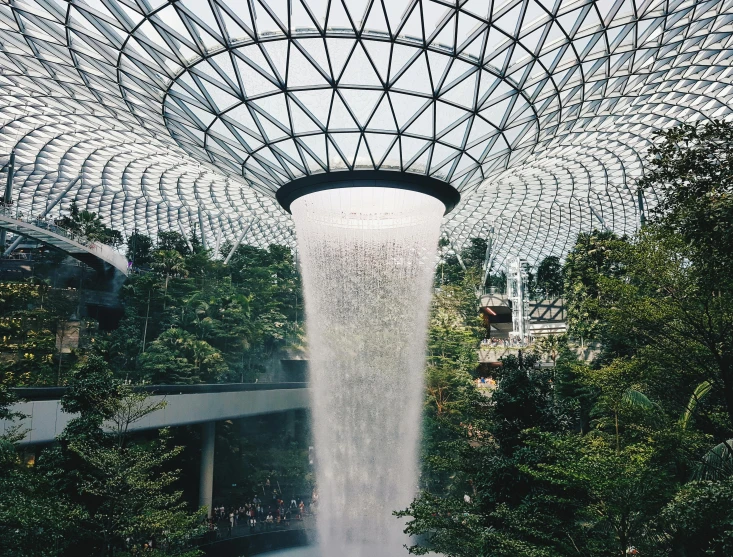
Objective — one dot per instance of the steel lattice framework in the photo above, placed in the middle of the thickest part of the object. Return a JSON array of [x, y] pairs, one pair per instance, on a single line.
[[194, 112]]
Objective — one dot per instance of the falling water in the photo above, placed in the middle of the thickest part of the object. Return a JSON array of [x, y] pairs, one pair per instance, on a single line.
[[367, 259]]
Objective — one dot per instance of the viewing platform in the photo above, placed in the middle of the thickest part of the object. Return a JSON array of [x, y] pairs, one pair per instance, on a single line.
[[547, 316], [94, 254]]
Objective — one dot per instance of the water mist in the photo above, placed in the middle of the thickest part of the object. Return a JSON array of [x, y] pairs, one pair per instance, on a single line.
[[367, 257]]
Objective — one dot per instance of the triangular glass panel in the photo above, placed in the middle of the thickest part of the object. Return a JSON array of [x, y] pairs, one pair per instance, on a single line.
[[405, 106], [446, 37], [301, 72], [264, 23], [363, 159], [300, 19], [277, 52], [495, 114], [316, 50], [379, 143], [239, 28], [376, 21], [359, 70], [411, 147], [337, 16], [446, 115], [302, 123], [508, 22], [348, 143], [274, 106], [480, 131], [335, 160], [392, 160], [338, 52], [463, 94], [480, 8], [383, 118], [438, 64], [420, 164], [412, 26], [395, 11], [416, 78], [317, 145], [317, 102], [362, 102], [423, 125], [456, 136], [340, 118], [378, 52], [272, 132]]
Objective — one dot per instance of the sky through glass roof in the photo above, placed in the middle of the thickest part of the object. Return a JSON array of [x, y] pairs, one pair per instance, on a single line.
[[192, 113]]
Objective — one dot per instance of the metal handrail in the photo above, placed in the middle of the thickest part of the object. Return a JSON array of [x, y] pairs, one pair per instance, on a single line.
[[51, 227]]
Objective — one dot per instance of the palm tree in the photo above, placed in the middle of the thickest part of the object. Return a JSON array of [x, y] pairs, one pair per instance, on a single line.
[[169, 262]]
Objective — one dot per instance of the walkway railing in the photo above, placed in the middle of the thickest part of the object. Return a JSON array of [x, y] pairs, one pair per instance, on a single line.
[[70, 242]]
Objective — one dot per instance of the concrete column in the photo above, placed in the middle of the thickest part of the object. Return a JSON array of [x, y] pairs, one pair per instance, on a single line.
[[206, 486], [8, 195]]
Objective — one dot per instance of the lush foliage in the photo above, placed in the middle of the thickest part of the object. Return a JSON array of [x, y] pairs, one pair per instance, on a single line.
[[188, 318], [550, 276], [634, 449], [192, 319], [90, 225], [99, 491]]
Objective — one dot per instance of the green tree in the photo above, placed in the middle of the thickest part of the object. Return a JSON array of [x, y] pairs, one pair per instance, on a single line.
[[550, 276], [90, 225], [177, 357], [689, 244], [35, 521], [551, 346], [595, 258], [139, 249], [169, 262], [122, 485], [473, 508], [700, 519], [173, 241]]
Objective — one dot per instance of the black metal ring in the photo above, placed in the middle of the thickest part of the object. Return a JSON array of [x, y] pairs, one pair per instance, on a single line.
[[442, 191]]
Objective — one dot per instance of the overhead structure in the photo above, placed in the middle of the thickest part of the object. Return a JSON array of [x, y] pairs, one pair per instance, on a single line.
[[192, 114]]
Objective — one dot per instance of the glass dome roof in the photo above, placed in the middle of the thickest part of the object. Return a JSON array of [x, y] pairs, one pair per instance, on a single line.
[[194, 112]]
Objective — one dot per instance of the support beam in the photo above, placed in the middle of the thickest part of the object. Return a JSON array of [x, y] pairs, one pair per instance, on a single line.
[[217, 245], [8, 197], [11, 173], [183, 233], [458, 255], [594, 213], [201, 225], [489, 256], [237, 243], [60, 196], [640, 199], [206, 485], [13, 246]]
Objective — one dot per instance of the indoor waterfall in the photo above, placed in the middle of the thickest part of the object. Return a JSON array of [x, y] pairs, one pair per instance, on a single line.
[[367, 257]]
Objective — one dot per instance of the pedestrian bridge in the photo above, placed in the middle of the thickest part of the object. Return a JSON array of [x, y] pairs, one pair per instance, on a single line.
[[92, 253], [186, 404]]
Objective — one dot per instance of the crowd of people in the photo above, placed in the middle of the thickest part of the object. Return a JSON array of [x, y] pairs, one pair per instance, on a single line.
[[258, 516], [512, 342]]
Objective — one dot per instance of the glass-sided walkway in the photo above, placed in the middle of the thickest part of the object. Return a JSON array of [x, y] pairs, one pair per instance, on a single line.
[[77, 246]]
